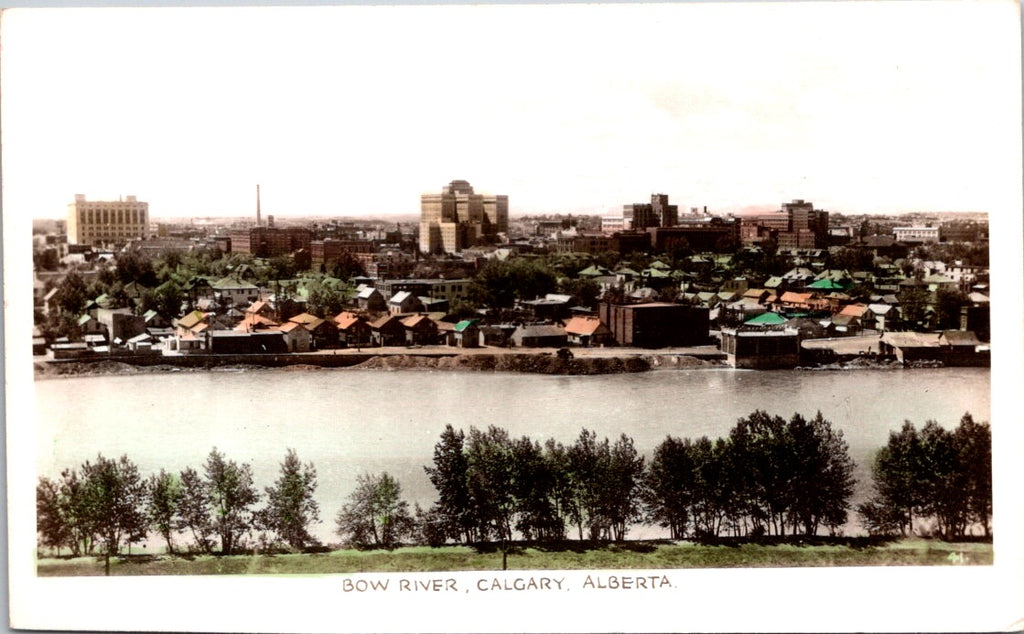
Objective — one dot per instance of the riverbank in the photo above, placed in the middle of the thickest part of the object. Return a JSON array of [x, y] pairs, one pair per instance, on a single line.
[[583, 361]]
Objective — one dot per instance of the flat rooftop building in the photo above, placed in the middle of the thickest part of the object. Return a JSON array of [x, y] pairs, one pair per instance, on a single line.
[[96, 222]]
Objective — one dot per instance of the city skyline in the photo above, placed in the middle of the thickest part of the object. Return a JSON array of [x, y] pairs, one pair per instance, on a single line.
[[358, 111]]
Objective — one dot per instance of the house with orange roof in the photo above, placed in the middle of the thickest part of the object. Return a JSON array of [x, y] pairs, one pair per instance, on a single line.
[[420, 330], [587, 331], [387, 331], [253, 322], [323, 332], [186, 323], [262, 308], [296, 337], [352, 329]]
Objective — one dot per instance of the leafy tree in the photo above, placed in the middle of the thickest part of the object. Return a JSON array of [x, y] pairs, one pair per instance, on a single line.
[[943, 480], [71, 294], [75, 509], [913, 304], [231, 494], [325, 302], [670, 486], [431, 526], [492, 286], [52, 524], [167, 299], [585, 290], [281, 267], [291, 508], [376, 515], [165, 493], [193, 509], [489, 473], [822, 475], [556, 458], [534, 485], [898, 488], [620, 486], [715, 473], [947, 307], [116, 496], [758, 441], [973, 442], [500, 283], [932, 473], [449, 477], [132, 266], [850, 259], [347, 266], [585, 459]]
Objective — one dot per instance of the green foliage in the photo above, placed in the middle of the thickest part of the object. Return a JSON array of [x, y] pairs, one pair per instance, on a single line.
[[167, 300], [115, 498], [768, 476], [585, 290], [231, 494], [670, 486], [281, 267], [535, 487], [500, 283], [291, 508], [165, 493], [53, 524], [449, 477], [71, 294], [193, 510], [947, 307], [850, 259], [913, 304], [491, 481], [133, 266], [346, 266], [932, 474], [376, 515], [326, 302]]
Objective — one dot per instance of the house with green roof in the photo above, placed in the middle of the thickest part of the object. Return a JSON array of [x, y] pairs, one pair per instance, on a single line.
[[234, 291], [467, 334]]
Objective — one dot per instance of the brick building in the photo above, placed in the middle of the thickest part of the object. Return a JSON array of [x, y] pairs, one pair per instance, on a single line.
[[656, 324]]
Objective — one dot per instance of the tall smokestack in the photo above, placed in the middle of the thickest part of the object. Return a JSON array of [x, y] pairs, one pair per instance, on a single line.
[[258, 222]]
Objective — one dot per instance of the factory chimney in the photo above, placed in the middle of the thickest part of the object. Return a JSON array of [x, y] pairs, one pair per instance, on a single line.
[[258, 222]]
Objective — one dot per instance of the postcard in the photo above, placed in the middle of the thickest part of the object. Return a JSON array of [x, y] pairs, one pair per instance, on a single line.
[[514, 317]]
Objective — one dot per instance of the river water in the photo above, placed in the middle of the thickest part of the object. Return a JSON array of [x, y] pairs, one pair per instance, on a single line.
[[352, 421]]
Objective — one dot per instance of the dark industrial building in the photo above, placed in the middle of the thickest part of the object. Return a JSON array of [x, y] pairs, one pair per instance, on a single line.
[[656, 324]]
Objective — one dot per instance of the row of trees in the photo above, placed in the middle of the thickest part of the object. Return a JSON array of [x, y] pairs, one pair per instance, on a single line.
[[768, 476], [107, 503], [932, 476], [491, 486]]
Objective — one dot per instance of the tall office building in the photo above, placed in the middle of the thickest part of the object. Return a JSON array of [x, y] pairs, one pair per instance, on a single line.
[[796, 225], [107, 221], [657, 213], [458, 218]]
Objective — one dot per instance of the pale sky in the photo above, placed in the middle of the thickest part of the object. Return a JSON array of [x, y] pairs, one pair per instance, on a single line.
[[859, 107]]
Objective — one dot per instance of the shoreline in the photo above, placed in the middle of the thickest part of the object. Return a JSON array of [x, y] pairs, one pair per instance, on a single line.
[[598, 362], [587, 361]]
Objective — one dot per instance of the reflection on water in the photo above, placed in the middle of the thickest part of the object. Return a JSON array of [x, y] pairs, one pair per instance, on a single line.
[[348, 422]]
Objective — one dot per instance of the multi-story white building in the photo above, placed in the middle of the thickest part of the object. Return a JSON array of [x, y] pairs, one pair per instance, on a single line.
[[916, 234], [107, 221], [458, 218]]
